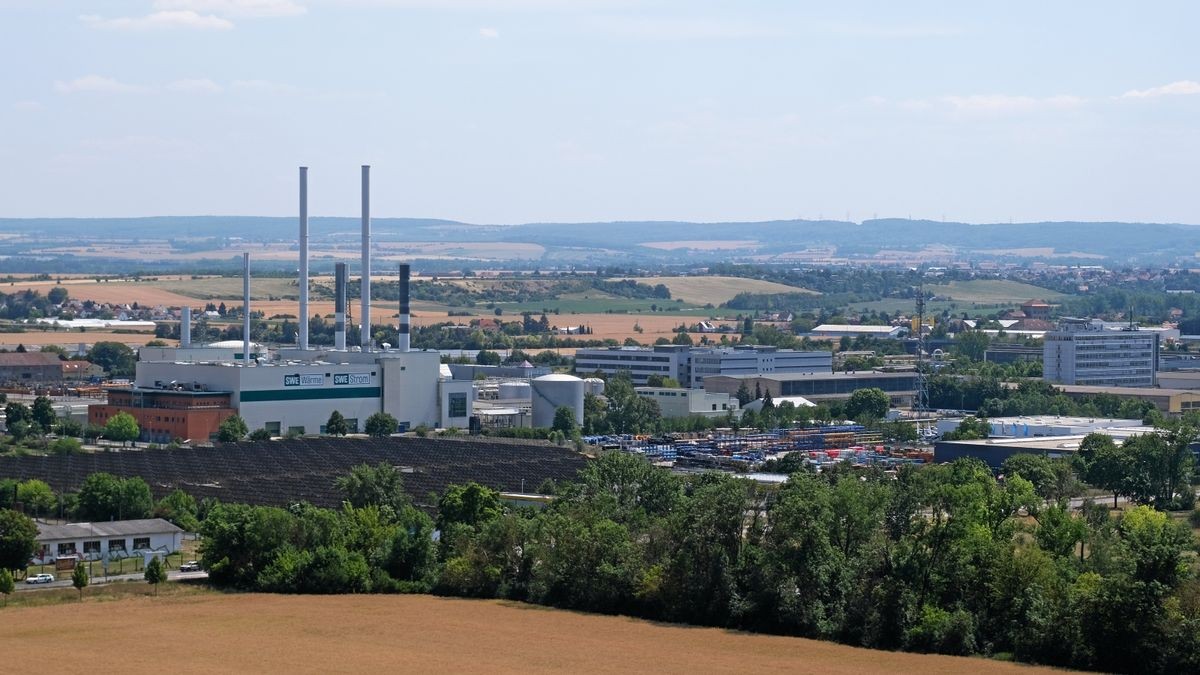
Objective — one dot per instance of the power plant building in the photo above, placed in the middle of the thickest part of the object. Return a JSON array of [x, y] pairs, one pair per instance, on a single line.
[[186, 392]]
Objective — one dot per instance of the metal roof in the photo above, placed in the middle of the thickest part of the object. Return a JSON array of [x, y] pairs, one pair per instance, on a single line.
[[115, 528]]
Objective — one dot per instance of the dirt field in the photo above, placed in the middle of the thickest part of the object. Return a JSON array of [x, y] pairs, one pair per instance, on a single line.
[[69, 339], [387, 634], [702, 290]]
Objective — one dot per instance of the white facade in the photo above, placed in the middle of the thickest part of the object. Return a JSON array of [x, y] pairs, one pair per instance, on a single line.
[[687, 402], [690, 365], [1036, 426], [107, 541], [1085, 352], [299, 396]]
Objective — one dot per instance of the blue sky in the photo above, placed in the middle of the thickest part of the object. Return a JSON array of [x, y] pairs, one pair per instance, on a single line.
[[536, 110]]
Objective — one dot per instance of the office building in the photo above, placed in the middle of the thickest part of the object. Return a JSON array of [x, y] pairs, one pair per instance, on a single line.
[[690, 365], [1086, 352]]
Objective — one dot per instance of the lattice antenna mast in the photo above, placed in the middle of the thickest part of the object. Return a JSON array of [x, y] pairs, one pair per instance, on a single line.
[[921, 401]]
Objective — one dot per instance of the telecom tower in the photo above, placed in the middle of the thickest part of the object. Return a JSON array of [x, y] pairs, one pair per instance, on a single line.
[[921, 400]]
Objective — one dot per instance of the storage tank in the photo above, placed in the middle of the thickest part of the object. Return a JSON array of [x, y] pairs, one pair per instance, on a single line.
[[593, 386], [551, 392], [514, 390]]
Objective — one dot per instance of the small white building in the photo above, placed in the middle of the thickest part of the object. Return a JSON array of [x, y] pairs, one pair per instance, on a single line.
[[687, 402], [112, 540]]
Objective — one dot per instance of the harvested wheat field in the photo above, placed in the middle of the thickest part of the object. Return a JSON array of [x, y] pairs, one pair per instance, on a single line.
[[388, 634]]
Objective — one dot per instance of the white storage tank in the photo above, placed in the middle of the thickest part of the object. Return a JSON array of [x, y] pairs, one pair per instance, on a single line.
[[551, 392], [593, 386], [514, 390]]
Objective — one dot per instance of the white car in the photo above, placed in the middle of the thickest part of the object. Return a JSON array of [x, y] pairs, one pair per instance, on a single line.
[[190, 566], [40, 579]]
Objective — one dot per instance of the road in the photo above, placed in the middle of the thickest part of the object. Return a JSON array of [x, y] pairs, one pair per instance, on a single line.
[[63, 580]]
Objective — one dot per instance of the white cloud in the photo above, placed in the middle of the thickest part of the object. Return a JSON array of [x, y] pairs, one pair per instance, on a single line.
[[195, 86], [159, 21], [265, 86], [490, 33], [1180, 88], [96, 83], [1001, 103], [236, 8]]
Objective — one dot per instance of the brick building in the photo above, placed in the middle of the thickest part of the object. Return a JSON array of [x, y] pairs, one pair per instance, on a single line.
[[167, 414]]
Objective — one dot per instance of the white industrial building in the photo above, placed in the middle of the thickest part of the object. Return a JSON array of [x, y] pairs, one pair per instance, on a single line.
[[674, 402], [1086, 352], [1037, 426], [107, 541], [296, 389], [690, 365]]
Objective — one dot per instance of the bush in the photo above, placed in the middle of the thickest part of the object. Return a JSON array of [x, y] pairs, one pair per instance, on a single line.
[[943, 632], [66, 446]]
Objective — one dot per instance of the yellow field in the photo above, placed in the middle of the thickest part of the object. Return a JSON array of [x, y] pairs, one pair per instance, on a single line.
[[992, 291], [213, 633], [716, 290]]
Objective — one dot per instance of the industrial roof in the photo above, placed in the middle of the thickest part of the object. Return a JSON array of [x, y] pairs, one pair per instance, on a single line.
[[29, 359], [115, 528], [787, 377]]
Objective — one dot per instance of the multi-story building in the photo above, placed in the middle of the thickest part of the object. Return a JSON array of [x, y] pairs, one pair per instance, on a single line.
[[640, 362], [900, 387], [1086, 352], [755, 361], [690, 365]]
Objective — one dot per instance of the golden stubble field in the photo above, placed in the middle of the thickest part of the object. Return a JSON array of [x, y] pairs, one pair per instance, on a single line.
[[414, 634]]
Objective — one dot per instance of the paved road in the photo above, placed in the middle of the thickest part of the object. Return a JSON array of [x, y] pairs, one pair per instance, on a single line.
[[64, 580]]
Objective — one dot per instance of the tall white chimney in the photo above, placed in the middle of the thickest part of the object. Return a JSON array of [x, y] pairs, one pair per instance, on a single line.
[[303, 341], [185, 328], [365, 317], [339, 306], [403, 330], [246, 309]]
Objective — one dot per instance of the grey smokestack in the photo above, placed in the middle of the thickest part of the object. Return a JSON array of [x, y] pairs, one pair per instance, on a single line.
[[365, 339], [246, 309], [404, 323], [339, 306], [303, 343], [185, 328]]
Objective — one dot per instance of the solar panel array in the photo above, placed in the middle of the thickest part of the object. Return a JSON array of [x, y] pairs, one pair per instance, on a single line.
[[282, 472]]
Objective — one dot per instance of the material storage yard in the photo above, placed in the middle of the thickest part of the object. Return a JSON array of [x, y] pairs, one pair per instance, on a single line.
[[418, 634]]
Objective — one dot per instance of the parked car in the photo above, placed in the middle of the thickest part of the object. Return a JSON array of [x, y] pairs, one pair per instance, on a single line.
[[40, 579], [190, 566]]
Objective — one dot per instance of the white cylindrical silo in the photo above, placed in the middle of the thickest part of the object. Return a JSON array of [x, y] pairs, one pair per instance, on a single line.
[[514, 390], [551, 392], [593, 386]]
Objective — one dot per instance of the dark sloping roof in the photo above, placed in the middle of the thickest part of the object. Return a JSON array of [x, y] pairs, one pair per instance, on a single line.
[[29, 359], [115, 528]]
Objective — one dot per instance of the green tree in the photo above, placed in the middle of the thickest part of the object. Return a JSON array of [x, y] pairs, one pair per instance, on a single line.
[[470, 504], [381, 425], [155, 573], [972, 344], [872, 403], [43, 414], [380, 485], [743, 394], [106, 497], [564, 421], [260, 435], [37, 496], [6, 584], [179, 508], [15, 413], [79, 578], [971, 428], [336, 426], [18, 539], [232, 429], [117, 359], [122, 428]]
